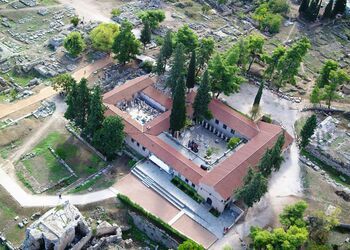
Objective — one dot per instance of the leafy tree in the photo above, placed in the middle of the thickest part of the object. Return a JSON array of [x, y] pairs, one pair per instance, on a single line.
[[83, 100], [288, 65], [255, 47], [202, 99], [74, 43], [293, 215], [153, 17], [125, 45], [95, 114], [109, 138], [116, 12], [187, 37], [204, 51], [337, 78], [189, 245], [146, 34], [63, 82], [258, 96], [324, 77], [243, 55], [223, 78], [178, 111], [103, 36], [290, 239], [328, 10], [177, 72], [316, 95], [268, 21], [278, 6], [255, 186], [320, 225], [160, 64], [75, 21], [191, 72], [339, 7], [308, 130]]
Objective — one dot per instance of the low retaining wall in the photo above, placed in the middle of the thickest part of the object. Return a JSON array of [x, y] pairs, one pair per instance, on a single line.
[[153, 232], [327, 159]]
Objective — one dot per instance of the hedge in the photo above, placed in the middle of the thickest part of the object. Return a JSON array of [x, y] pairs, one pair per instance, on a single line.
[[187, 189], [152, 218]]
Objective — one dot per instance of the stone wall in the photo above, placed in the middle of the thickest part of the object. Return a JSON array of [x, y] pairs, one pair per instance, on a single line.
[[153, 232], [327, 159]]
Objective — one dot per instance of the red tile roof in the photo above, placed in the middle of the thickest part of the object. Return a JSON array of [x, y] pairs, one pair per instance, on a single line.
[[228, 175]]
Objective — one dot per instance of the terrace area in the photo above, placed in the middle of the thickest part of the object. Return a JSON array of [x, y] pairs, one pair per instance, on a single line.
[[200, 145], [140, 109]]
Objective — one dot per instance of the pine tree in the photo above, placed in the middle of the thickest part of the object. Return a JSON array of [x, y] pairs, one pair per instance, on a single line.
[[95, 115], [339, 7], [145, 34], [304, 6], [258, 95], [328, 10], [308, 130], [83, 100], [178, 111], [177, 72], [125, 45], [191, 72], [202, 100], [254, 188], [71, 101]]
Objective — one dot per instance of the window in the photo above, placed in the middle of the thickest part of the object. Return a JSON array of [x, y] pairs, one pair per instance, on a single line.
[[132, 140], [216, 121], [186, 180], [193, 185], [232, 131], [138, 144], [143, 148], [224, 126]]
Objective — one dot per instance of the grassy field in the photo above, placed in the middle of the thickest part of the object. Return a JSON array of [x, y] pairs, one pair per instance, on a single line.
[[46, 169], [9, 209]]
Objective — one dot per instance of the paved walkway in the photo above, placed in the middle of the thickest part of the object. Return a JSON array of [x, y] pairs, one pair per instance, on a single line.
[[29, 200], [7, 109]]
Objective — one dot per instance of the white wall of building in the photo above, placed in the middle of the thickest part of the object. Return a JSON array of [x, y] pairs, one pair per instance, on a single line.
[[136, 146]]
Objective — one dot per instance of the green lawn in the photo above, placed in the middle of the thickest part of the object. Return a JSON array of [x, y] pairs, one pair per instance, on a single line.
[[20, 80]]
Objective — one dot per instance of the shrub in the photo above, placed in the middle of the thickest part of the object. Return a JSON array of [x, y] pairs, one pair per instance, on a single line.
[[187, 189], [267, 19], [147, 66], [233, 142], [116, 12]]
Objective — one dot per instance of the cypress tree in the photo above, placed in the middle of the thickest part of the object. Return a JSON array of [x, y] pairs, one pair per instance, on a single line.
[[177, 71], [178, 111], [328, 10], [304, 6], [95, 115], [308, 130], [202, 100], [339, 7], [145, 34], [83, 99], [276, 153], [160, 67], [258, 95], [167, 47], [71, 101], [265, 164], [191, 73]]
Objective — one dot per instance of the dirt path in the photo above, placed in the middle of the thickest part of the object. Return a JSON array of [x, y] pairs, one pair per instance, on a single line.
[[6, 109]]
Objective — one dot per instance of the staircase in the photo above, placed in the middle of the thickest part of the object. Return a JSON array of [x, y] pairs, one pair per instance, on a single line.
[[150, 183]]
